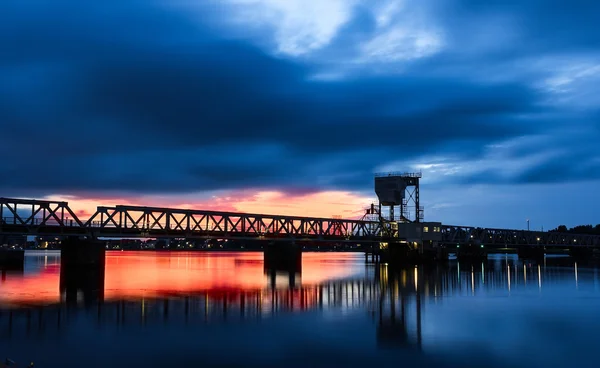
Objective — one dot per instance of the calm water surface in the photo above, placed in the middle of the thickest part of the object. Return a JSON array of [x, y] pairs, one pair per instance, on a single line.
[[221, 309]]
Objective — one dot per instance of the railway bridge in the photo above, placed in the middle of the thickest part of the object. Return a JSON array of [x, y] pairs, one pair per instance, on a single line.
[[54, 218]]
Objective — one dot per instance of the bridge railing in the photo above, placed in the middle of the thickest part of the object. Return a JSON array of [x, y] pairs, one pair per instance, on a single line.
[[39, 222]]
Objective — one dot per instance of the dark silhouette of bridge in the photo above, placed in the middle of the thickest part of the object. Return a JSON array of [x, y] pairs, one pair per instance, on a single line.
[[54, 218]]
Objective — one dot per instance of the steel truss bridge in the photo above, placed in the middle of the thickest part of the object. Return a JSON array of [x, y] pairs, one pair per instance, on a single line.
[[49, 218], [53, 218]]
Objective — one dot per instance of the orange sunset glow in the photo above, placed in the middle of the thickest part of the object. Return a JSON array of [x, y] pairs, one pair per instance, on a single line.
[[322, 204], [144, 274]]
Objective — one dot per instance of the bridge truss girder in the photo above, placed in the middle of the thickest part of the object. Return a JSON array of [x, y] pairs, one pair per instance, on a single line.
[[34, 215], [150, 222]]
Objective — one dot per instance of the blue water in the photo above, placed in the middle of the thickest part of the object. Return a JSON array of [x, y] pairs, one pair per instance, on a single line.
[[501, 313]]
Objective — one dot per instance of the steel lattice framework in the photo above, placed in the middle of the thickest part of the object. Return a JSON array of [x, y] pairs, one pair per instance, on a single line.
[[163, 222], [35, 214], [505, 238], [33, 217]]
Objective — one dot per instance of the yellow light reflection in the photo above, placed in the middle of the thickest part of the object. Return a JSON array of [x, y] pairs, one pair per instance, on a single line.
[[508, 275], [576, 277], [472, 282], [540, 277], [416, 278], [383, 272], [482, 274]]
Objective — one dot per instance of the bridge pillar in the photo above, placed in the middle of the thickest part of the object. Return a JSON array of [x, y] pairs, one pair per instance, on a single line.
[[582, 253], [400, 253], [12, 258], [441, 253], [283, 256], [531, 252], [82, 264]]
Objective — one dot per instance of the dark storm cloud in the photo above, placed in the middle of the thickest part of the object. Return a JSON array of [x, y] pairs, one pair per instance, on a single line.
[[128, 96], [558, 171], [555, 170]]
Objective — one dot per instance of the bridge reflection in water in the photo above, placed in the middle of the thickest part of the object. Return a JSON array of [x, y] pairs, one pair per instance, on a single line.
[[386, 304], [395, 299]]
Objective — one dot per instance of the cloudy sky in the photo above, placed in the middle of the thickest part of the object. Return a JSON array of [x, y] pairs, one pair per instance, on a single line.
[[290, 106]]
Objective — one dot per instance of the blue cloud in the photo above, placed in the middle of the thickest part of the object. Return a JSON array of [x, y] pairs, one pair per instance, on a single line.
[[145, 97]]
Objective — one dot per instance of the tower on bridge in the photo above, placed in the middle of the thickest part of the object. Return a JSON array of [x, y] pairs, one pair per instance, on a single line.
[[398, 197]]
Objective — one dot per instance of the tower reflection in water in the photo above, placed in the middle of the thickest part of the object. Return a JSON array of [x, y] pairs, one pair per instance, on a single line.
[[394, 298]]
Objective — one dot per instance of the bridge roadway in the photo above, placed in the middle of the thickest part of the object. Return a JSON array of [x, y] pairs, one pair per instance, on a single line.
[[52, 218]]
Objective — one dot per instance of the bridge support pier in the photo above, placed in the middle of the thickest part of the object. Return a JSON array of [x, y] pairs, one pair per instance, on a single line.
[[582, 253], [531, 252], [12, 259], [441, 253], [401, 254], [82, 265], [372, 254], [283, 256]]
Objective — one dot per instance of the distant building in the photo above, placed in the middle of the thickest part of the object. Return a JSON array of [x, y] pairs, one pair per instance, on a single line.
[[48, 242]]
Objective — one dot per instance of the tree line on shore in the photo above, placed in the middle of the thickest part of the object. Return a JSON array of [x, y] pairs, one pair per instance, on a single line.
[[580, 229]]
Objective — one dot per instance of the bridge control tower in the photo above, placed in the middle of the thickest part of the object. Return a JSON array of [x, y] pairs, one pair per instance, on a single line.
[[400, 214], [399, 191]]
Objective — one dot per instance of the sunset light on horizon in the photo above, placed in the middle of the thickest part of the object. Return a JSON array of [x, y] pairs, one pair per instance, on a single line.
[[329, 204]]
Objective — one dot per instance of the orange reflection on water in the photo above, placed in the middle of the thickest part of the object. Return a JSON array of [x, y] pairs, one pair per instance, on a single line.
[[136, 274]]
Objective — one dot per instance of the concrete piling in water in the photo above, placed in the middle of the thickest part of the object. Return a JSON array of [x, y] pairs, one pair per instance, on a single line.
[[82, 266], [531, 252], [283, 256], [12, 259], [402, 253]]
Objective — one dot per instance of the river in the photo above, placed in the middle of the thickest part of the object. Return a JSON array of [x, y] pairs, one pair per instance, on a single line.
[[221, 309]]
